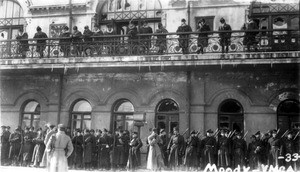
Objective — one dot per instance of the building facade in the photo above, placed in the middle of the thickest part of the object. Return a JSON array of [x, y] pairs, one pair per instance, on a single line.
[[243, 92]]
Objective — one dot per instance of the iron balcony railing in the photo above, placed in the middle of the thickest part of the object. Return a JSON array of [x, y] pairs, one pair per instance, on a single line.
[[239, 41]]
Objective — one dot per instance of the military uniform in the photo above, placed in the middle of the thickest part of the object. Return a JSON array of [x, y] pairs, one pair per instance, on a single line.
[[225, 36], [87, 151], [4, 146], [274, 150], [209, 144], [176, 148], [288, 148], [239, 147], [223, 151], [77, 142], [104, 144], [254, 152], [15, 140], [191, 153], [26, 148], [184, 38]]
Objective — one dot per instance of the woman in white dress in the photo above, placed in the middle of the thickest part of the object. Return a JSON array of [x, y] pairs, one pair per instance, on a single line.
[[155, 161]]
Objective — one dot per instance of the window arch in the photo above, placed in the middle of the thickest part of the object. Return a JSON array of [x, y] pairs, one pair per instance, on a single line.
[[288, 115], [231, 115], [30, 114], [123, 111], [167, 115], [81, 114]]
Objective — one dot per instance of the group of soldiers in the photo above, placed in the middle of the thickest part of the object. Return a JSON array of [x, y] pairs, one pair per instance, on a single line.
[[103, 150]]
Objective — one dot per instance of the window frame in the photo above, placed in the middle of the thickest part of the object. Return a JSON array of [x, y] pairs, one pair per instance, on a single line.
[[81, 113], [32, 114]]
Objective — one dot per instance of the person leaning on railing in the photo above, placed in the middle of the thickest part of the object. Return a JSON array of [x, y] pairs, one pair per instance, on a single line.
[[184, 38], [97, 39], [145, 40], [250, 37], [132, 38], [202, 40], [110, 42], [65, 42], [161, 41], [23, 45], [224, 36], [77, 40], [87, 38], [41, 42]]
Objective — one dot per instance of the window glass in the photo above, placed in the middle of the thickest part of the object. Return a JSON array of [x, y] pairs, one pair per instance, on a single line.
[[167, 105], [124, 106], [32, 106], [82, 106]]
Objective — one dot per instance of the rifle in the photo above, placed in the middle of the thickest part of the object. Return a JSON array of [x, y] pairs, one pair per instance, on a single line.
[[296, 135], [245, 134], [185, 131], [216, 132], [278, 130], [229, 136], [284, 133]]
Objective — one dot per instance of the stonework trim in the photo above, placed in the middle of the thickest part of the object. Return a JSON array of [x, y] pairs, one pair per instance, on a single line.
[[32, 95], [282, 95]]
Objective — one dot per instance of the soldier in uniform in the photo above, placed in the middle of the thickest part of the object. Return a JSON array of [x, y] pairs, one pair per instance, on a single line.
[[65, 41], [208, 146], [274, 148], [254, 151], [87, 149], [41, 42], [117, 150], [239, 147], [134, 158], [26, 148], [4, 145], [184, 38], [126, 140], [52, 130], [39, 148], [145, 40], [191, 152], [164, 146], [15, 140], [288, 149], [77, 40], [104, 144], [132, 37], [77, 142], [223, 146], [94, 151], [176, 149]]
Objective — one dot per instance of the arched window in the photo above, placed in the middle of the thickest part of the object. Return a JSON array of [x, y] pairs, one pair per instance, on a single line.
[[123, 115], [231, 115], [11, 18], [81, 115], [31, 114], [288, 115], [167, 115]]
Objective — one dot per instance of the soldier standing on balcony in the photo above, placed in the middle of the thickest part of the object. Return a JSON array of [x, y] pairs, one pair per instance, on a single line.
[[77, 40], [41, 42], [161, 41], [145, 40], [224, 36], [250, 37], [97, 39], [87, 38], [23, 46], [110, 41], [202, 37], [184, 38], [132, 37], [64, 42]]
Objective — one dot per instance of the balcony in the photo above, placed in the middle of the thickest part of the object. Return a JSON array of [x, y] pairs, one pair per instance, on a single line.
[[266, 47]]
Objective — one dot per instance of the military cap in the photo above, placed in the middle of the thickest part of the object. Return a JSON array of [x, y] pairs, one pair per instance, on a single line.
[[38, 28], [92, 130], [238, 133], [78, 130], [61, 126], [86, 130], [135, 132], [252, 137], [27, 128], [32, 128], [105, 130], [224, 131], [222, 20], [154, 129], [86, 27], [193, 132], [257, 133], [274, 131], [183, 20], [39, 129], [162, 130], [209, 131], [18, 129], [289, 132]]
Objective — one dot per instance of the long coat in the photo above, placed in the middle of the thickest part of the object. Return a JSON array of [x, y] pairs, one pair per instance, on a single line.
[[27, 147], [161, 40], [208, 145], [191, 152], [164, 148], [134, 158], [60, 147], [145, 40], [40, 44], [202, 40], [223, 146], [65, 42], [104, 143], [184, 38], [45, 161], [239, 147], [176, 148], [225, 36], [77, 142], [254, 154], [39, 149], [23, 43], [4, 146], [154, 160], [15, 145], [274, 150], [88, 146]]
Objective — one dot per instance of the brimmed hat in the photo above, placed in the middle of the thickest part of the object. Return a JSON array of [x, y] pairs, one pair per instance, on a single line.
[[193, 132], [183, 20]]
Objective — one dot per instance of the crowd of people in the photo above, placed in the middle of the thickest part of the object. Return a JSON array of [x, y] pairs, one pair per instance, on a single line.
[[90, 42], [103, 150]]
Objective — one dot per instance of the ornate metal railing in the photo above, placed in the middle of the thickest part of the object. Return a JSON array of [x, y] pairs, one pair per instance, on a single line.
[[152, 44]]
